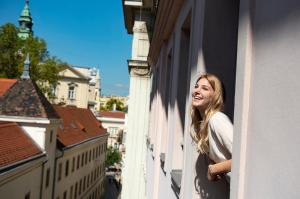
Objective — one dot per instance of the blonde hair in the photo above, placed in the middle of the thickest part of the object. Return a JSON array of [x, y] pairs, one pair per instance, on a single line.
[[199, 125]]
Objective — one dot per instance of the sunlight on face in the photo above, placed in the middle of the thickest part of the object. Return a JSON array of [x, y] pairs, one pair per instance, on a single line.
[[202, 94]]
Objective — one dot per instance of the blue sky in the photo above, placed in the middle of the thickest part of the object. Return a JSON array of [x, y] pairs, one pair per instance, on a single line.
[[82, 33]]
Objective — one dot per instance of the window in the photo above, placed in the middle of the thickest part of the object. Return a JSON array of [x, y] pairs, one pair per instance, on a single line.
[[27, 196], [67, 168], [82, 160], [47, 177], [90, 156], [78, 161], [51, 136], [73, 164], [84, 180], [75, 193], [80, 184], [65, 195], [71, 92], [59, 171], [86, 157], [71, 192]]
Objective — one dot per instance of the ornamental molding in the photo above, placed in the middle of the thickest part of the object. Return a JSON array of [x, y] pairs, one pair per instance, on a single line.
[[140, 27], [141, 72]]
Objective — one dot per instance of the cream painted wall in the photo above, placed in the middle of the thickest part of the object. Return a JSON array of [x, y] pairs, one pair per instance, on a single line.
[[94, 167], [15, 184], [81, 92], [82, 87], [45, 136]]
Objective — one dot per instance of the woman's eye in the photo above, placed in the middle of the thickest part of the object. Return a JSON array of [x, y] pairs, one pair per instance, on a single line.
[[196, 86]]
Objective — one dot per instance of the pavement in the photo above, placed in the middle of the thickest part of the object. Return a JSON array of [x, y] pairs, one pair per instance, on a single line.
[[112, 188]]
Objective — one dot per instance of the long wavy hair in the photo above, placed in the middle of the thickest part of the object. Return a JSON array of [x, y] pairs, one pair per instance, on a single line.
[[199, 130]]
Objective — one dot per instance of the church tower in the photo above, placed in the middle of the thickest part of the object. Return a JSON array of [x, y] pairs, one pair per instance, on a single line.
[[25, 22]]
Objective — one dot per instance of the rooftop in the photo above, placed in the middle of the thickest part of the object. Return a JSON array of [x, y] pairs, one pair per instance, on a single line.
[[15, 145], [25, 99], [78, 125], [5, 84], [112, 114]]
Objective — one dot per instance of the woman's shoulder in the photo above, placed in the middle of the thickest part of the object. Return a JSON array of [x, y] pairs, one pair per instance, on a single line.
[[219, 117]]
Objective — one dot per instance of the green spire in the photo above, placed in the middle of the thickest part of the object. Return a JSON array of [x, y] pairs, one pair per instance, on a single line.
[[25, 22]]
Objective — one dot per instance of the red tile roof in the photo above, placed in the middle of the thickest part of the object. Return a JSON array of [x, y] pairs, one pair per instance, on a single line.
[[113, 114], [15, 145], [78, 125], [5, 84]]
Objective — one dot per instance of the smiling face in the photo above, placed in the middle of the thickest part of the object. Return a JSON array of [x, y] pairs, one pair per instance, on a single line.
[[202, 95]]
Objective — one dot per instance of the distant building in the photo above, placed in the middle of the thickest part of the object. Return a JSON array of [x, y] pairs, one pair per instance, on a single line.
[[25, 22], [78, 86], [94, 85], [114, 122]]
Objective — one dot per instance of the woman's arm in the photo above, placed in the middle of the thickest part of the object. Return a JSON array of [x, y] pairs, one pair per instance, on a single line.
[[215, 170]]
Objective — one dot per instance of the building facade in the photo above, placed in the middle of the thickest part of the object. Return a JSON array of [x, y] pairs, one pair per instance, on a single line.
[[114, 122], [80, 161], [248, 45], [138, 22], [78, 86]]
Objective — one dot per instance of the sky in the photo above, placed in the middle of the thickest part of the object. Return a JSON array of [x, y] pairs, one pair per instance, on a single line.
[[88, 33]]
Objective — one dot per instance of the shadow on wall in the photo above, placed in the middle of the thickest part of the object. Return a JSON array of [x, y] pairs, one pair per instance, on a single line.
[[205, 188], [220, 45]]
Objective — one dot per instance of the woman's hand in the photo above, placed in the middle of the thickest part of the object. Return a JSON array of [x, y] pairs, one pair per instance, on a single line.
[[212, 176], [216, 171]]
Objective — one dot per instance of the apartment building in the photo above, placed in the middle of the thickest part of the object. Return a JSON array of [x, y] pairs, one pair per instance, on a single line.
[[80, 161], [249, 45]]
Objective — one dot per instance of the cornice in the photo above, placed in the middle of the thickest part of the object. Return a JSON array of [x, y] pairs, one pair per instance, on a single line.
[[168, 11]]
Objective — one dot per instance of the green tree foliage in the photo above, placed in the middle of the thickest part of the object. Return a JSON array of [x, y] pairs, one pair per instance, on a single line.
[[112, 156], [44, 68], [110, 103], [9, 56]]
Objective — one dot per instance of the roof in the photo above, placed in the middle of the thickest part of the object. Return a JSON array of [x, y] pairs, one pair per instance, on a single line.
[[79, 125], [15, 145], [25, 99], [112, 114], [5, 84], [75, 71]]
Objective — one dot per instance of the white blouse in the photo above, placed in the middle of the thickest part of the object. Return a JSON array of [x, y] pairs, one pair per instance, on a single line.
[[220, 136]]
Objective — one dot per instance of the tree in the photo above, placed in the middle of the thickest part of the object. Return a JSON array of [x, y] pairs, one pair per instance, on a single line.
[[9, 51], [112, 156], [110, 103], [44, 68]]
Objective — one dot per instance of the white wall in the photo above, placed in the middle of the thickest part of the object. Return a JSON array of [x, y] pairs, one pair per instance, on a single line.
[[267, 101]]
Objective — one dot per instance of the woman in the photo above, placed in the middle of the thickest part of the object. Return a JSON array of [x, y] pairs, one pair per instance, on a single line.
[[212, 129]]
